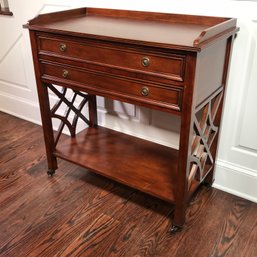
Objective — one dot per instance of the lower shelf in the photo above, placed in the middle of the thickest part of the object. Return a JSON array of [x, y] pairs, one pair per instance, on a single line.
[[138, 163]]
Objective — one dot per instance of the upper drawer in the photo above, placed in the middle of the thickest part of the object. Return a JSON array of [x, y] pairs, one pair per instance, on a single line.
[[159, 64]]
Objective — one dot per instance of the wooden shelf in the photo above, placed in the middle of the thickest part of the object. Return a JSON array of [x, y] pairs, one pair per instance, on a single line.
[[146, 166]]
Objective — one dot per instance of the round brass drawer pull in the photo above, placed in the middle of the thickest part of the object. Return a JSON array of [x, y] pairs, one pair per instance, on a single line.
[[65, 73], [144, 91], [145, 61], [62, 47]]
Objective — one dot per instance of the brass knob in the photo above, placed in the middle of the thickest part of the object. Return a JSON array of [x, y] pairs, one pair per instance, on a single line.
[[62, 47], [144, 91], [65, 73], [145, 61]]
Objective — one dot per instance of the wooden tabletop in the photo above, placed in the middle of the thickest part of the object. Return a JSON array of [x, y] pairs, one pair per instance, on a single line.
[[184, 32]]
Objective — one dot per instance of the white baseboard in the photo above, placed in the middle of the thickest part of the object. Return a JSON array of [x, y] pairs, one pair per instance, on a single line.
[[20, 107], [236, 180]]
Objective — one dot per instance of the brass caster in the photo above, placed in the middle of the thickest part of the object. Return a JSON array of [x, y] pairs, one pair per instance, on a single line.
[[50, 172], [174, 229], [207, 185]]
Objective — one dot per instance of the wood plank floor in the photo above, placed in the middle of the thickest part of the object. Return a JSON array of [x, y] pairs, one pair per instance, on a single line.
[[78, 213]]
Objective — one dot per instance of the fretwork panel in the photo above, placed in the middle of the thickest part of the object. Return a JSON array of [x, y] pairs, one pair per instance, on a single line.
[[204, 134], [70, 107]]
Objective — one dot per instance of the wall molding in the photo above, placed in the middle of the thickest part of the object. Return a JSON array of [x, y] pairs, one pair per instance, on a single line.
[[236, 180], [20, 107]]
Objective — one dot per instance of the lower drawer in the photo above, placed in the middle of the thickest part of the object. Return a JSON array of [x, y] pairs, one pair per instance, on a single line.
[[102, 84]]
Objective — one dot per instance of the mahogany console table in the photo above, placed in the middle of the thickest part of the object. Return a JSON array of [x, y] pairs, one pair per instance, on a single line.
[[173, 63]]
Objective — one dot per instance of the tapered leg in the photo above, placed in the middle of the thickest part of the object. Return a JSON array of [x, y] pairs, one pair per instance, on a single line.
[[44, 107], [181, 199], [186, 127], [47, 128]]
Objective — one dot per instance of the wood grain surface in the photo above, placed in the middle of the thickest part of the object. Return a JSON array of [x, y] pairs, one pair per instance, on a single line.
[[178, 31], [140, 164], [78, 213]]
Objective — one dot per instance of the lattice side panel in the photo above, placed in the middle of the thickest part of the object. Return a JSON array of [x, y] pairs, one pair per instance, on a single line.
[[204, 134], [70, 107]]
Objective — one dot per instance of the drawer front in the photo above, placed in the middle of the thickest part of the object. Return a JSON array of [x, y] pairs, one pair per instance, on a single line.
[[104, 84], [169, 66]]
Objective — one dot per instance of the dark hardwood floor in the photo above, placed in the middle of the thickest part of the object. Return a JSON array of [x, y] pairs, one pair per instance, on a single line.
[[78, 213]]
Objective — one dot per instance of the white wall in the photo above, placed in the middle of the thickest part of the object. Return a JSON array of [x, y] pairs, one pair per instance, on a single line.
[[236, 169]]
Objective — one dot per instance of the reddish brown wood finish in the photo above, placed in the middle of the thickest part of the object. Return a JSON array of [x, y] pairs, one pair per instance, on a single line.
[[173, 63], [183, 32], [105, 83], [44, 108], [113, 155], [182, 193], [161, 64]]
